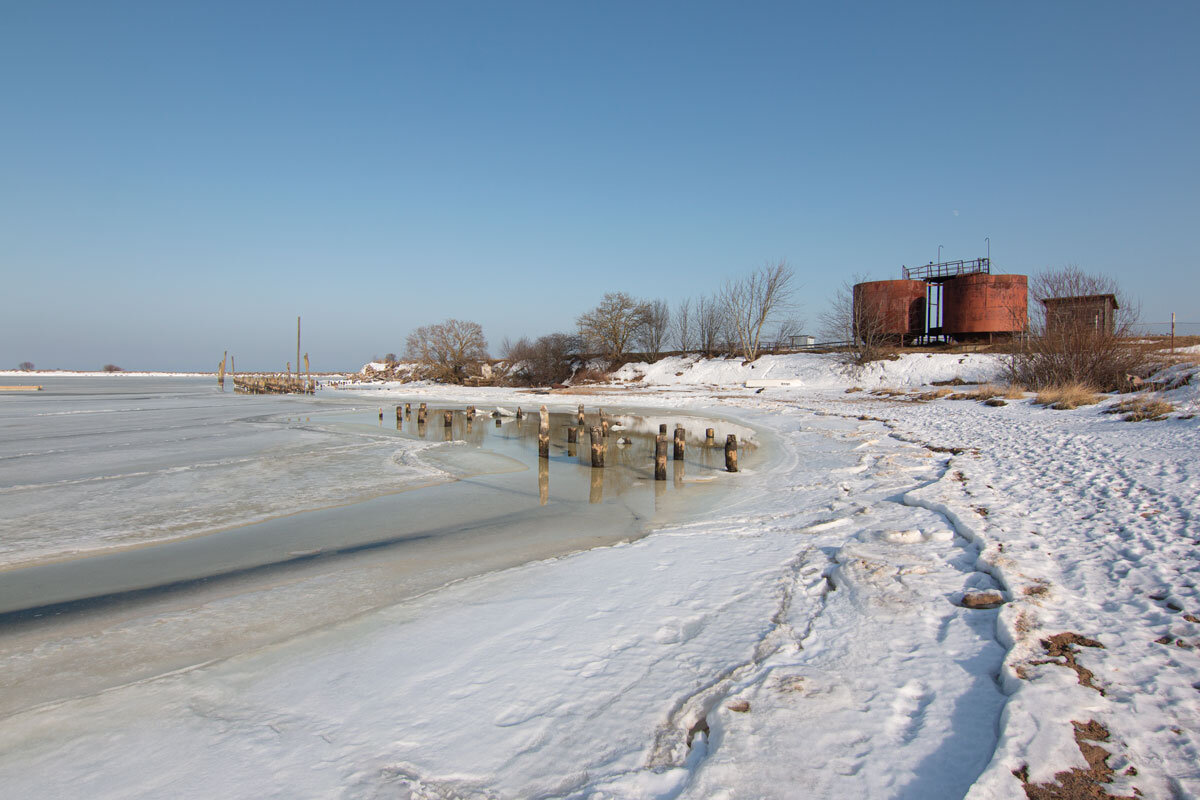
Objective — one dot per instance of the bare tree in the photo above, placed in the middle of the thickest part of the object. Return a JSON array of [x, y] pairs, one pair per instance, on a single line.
[[754, 299], [710, 322], [787, 330], [610, 327], [1080, 330], [550, 359], [449, 350], [682, 325], [860, 325], [653, 333], [25, 366], [112, 368]]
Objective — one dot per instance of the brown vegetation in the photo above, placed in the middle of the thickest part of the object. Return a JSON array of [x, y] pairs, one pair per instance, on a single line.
[[1139, 409], [1066, 396]]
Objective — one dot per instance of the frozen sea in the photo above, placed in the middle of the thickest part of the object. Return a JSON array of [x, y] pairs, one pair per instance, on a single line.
[[152, 524]]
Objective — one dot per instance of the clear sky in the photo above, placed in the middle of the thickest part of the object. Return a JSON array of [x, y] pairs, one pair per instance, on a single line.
[[178, 179]]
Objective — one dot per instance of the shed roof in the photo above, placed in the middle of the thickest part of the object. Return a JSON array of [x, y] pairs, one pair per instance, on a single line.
[[1081, 300]]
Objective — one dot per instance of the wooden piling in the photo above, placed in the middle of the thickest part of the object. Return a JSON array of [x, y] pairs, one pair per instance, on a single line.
[[597, 446], [662, 429], [447, 419], [520, 413], [579, 416], [407, 410], [381, 413], [679, 443], [604, 424], [731, 453], [660, 457], [544, 433], [497, 422], [470, 413], [572, 434], [421, 413], [399, 413], [709, 436]]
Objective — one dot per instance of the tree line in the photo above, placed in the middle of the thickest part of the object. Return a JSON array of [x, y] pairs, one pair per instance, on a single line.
[[730, 320]]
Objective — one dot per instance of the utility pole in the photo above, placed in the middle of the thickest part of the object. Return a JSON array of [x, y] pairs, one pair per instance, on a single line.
[[297, 346]]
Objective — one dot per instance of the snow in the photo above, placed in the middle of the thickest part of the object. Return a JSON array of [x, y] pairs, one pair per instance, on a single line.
[[805, 640]]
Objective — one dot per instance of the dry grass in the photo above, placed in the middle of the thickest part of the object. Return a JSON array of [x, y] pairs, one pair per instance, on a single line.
[[1014, 391], [1139, 409], [1066, 396]]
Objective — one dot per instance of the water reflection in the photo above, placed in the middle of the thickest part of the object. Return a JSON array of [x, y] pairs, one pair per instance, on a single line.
[[627, 452]]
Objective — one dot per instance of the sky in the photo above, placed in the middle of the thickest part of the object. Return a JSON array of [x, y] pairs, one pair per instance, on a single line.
[[181, 179]]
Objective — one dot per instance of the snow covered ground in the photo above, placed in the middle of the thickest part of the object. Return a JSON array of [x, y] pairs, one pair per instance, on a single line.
[[809, 640]]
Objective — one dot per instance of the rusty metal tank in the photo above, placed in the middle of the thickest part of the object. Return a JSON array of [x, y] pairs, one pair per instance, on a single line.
[[896, 308], [983, 304]]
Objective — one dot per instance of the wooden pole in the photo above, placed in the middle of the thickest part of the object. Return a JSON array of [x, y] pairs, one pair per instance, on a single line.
[[604, 423], [407, 410], [497, 422], [447, 419], [679, 442], [297, 347], [544, 434], [709, 436], [520, 413], [399, 413], [470, 413], [579, 416], [597, 446], [421, 412], [572, 435], [662, 428], [660, 457], [731, 453], [381, 413]]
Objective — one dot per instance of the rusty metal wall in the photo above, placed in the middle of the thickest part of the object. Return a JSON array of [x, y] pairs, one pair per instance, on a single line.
[[897, 306], [985, 304]]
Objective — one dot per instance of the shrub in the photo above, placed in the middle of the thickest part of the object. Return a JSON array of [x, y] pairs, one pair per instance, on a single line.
[[112, 368], [25, 366], [1075, 345]]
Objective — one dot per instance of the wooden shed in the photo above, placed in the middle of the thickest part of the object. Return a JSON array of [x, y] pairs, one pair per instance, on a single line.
[[1093, 312]]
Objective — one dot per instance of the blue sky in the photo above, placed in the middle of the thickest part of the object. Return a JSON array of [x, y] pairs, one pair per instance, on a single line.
[[184, 178]]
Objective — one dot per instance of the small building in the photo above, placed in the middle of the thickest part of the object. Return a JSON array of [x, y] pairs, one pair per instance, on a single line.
[[800, 340], [1093, 313]]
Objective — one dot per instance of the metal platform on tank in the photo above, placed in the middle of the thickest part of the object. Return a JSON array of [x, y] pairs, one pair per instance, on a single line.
[[940, 273]]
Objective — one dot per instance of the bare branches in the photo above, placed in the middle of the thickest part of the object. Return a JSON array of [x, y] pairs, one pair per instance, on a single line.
[[655, 327], [859, 324], [1080, 326], [611, 326], [682, 325], [752, 300], [448, 350]]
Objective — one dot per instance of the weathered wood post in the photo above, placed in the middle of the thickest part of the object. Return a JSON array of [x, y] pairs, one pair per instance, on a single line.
[[470, 413], [679, 442], [520, 414], [604, 425], [731, 453], [597, 446], [399, 413], [662, 428], [381, 413], [407, 410], [572, 434], [660, 457], [709, 436], [544, 433], [579, 416], [447, 419], [497, 422], [421, 412]]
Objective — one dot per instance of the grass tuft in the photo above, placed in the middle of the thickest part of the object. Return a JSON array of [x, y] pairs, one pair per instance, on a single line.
[[1065, 396], [1140, 409]]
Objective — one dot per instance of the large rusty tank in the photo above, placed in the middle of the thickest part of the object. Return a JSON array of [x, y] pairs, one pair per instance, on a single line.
[[979, 305], [895, 309]]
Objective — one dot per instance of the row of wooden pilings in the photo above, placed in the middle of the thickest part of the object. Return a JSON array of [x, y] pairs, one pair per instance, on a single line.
[[598, 434], [272, 384]]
